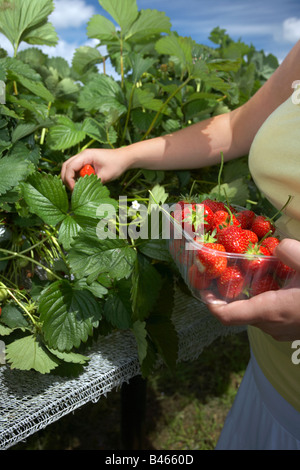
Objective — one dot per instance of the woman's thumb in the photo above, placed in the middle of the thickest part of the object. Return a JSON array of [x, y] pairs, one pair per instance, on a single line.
[[288, 251]]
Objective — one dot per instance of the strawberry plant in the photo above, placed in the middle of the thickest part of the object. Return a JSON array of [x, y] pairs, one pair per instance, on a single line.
[[61, 284]]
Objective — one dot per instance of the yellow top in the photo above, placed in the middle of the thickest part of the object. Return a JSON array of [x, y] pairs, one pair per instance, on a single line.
[[274, 162]]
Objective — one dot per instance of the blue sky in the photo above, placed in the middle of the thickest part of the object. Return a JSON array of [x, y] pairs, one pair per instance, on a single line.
[[271, 25]]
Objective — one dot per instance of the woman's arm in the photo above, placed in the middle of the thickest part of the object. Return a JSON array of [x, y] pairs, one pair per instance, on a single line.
[[200, 144]]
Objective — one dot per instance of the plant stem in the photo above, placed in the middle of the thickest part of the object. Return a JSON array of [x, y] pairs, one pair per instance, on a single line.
[[43, 133], [128, 112], [164, 105], [16, 254], [21, 306], [219, 175], [135, 176], [87, 145]]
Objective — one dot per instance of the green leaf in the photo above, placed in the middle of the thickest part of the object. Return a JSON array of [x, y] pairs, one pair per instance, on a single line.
[[92, 256], [73, 357], [43, 35], [23, 129], [236, 191], [146, 284], [84, 58], [69, 315], [68, 230], [155, 249], [66, 87], [145, 98], [65, 134], [102, 93], [27, 20], [16, 69], [37, 88], [124, 13], [177, 46], [117, 308], [140, 333], [46, 197], [160, 327], [101, 28], [140, 65], [149, 23], [28, 353], [5, 330], [13, 318], [87, 196], [99, 132], [13, 170], [97, 289]]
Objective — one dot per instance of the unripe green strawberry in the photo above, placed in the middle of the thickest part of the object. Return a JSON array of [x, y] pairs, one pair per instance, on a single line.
[[3, 292]]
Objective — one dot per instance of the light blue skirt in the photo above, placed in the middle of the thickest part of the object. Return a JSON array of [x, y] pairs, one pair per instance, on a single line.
[[260, 418]]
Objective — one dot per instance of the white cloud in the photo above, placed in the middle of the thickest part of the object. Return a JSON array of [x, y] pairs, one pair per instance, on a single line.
[[62, 49], [6, 45], [70, 14], [291, 29]]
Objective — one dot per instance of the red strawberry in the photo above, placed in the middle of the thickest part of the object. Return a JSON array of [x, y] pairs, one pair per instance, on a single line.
[[184, 202], [283, 271], [185, 217], [176, 246], [261, 225], [198, 280], [270, 243], [210, 259], [242, 219], [87, 170], [214, 205], [222, 219], [246, 218], [263, 284], [231, 282], [234, 239], [208, 217], [253, 263], [253, 238]]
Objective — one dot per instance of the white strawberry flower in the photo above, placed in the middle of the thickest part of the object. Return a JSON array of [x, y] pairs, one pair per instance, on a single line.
[[135, 205]]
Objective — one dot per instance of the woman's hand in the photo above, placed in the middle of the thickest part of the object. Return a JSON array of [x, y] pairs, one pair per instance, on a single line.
[[277, 313], [108, 164]]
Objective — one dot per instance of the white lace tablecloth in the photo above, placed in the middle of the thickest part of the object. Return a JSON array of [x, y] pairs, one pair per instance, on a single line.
[[31, 401]]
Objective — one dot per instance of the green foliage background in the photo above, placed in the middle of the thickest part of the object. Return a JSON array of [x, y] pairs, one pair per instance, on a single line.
[[60, 287]]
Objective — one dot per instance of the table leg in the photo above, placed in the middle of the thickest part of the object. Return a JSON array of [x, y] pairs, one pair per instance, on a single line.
[[133, 413]]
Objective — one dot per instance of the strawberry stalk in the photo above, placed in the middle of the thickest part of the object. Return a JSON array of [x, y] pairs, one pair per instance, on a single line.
[[280, 211], [219, 175]]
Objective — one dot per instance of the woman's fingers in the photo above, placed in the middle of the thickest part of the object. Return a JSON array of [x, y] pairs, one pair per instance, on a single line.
[[73, 165], [288, 251]]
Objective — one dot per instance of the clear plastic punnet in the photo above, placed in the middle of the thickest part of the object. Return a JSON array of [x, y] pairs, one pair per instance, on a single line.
[[215, 276]]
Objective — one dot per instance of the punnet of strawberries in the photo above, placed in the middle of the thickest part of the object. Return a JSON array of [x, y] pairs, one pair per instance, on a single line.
[[226, 250]]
